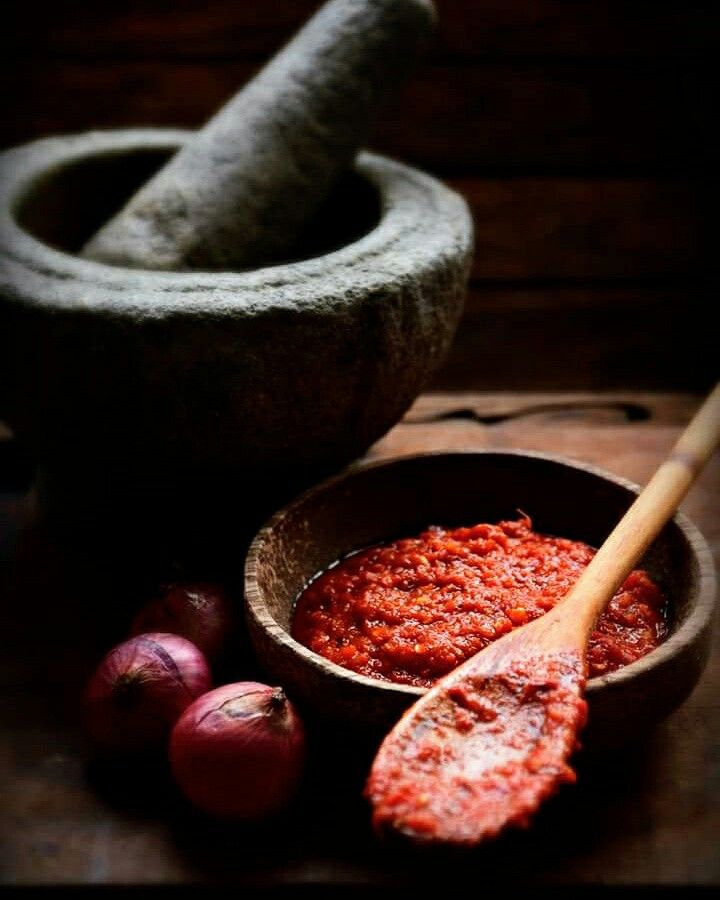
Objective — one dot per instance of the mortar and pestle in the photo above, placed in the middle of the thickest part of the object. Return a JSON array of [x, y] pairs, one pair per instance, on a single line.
[[195, 325]]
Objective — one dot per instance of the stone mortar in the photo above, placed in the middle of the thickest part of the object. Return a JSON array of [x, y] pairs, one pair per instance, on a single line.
[[298, 366]]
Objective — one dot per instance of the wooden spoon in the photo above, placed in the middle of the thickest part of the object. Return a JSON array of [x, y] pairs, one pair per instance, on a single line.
[[490, 741]]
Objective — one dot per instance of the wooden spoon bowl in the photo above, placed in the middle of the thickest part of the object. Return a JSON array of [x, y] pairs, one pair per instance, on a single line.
[[386, 500]]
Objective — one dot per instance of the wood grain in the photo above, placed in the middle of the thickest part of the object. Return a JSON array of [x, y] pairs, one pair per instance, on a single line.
[[531, 228], [166, 28], [522, 117], [570, 337]]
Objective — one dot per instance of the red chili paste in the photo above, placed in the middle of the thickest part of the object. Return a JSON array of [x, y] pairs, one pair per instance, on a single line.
[[490, 748], [412, 610]]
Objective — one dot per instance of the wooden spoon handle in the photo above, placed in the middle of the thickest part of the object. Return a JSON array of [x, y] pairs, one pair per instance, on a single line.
[[655, 506]]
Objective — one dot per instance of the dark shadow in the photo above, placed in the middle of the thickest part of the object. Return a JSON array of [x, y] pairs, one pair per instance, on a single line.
[[631, 412]]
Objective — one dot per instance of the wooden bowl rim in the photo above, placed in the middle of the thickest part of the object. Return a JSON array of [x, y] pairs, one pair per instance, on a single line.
[[690, 629]]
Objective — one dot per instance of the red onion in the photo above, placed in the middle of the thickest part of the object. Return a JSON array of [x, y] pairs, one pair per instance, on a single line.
[[198, 611], [239, 751], [140, 688]]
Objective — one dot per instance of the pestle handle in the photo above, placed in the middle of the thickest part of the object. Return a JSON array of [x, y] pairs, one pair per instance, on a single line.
[[239, 193]]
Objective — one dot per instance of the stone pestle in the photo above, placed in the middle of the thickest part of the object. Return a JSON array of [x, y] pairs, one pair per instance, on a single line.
[[262, 311], [239, 194]]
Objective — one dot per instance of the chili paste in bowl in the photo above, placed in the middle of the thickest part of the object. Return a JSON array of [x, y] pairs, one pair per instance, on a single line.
[[411, 610], [397, 603]]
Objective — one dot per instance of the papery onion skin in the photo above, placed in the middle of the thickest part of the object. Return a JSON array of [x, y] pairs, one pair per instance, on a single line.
[[199, 611], [139, 690], [239, 751]]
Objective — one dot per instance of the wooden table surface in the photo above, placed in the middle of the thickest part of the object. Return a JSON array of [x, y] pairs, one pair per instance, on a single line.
[[648, 815]]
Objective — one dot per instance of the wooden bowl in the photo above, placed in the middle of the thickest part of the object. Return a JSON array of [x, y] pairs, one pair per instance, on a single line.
[[386, 500]]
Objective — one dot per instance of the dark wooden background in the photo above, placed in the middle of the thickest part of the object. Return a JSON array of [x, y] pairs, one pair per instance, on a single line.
[[577, 129], [580, 132]]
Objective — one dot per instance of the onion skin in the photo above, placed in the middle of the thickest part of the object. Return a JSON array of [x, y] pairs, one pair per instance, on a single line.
[[199, 611], [238, 752], [139, 690]]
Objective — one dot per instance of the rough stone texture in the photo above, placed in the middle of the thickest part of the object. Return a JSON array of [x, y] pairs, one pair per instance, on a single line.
[[296, 365], [240, 192]]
